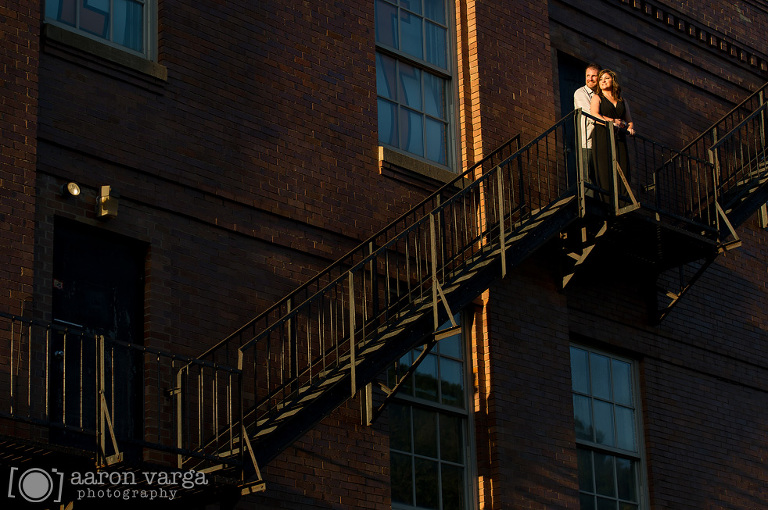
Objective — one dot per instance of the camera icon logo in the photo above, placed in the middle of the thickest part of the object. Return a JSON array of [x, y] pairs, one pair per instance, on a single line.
[[36, 485]]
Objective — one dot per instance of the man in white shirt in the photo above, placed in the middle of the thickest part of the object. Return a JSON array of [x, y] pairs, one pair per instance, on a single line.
[[582, 99]]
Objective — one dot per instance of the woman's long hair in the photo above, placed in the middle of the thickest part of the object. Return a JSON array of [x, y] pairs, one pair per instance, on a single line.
[[616, 88]]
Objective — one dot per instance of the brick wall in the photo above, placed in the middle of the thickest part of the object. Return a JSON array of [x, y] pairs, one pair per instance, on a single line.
[[525, 434], [19, 56], [255, 164]]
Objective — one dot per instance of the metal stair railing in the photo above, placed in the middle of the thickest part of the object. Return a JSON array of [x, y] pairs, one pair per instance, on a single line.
[[317, 337], [226, 349], [735, 146], [71, 386], [410, 271], [208, 438]]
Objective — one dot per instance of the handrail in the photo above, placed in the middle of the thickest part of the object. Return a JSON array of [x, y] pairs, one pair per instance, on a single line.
[[344, 260], [408, 269], [44, 385], [724, 138], [724, 118]]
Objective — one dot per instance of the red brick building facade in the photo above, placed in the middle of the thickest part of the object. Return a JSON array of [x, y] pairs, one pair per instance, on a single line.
[[242, 144]]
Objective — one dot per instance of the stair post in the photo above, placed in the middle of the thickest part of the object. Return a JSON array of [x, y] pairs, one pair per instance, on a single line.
[[715, 164], [761, 98], [614, 170], [352, 333], [582, 162]]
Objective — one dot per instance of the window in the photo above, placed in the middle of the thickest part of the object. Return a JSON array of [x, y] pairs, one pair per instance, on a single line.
[[429, 429], [413, 77], [606, 420], [121, 23]]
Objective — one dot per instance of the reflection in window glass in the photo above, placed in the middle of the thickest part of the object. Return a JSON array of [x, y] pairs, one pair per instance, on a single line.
[[120, 22], [411, 132], [386, 24], [452, 382], [387, 122], [435, 10], [128, 24], [386, 72], [401, 474], [410, 86], [436, 51], [400, 422], [436, 141], [425, 432], [411, 37]]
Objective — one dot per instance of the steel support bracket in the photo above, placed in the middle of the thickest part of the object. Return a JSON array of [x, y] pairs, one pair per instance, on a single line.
[[674, 296], [574, 256]]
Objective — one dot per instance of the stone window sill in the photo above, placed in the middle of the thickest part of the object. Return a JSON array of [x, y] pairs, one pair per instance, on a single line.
[[73, 46], [401, 167]]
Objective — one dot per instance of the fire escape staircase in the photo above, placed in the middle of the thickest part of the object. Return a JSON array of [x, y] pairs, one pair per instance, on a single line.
[[326, 341], [233, 409]]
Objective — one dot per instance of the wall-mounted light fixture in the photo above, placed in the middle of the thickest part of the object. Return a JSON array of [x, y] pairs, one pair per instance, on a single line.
[[106, 205], [70, 189]]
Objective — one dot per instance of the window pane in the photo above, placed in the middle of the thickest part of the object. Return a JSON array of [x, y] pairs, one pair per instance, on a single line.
[[436, 45], [451, 439], [434, 96], [62, 10], [625, 429], [128, 24], [452, 382], [435, 10], [94, 17], [582, 415], [410, 86], [604, 481], [387, 122], [606, 504], [425, 432], [400, 427], [411, 37], [411, 5], [586, 480], [402, 478], [627, 506], [603, 423], [426, 378], [453, 487], [427, 491], [622, 383], [601, 376], [386, 24], [586, 502], [436, 141], [580, 370], [626, 479], [411, 133], [451, 346], [386, 76]]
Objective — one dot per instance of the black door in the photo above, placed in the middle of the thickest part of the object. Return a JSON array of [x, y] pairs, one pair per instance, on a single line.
[[98, 288]]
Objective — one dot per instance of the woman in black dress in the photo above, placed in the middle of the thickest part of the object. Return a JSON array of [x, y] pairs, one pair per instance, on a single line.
[[608, 105]]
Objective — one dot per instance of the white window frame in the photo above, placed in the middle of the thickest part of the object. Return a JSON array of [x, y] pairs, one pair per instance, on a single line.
[[466, 414], [637, 456], [149, 29], [451, 92]]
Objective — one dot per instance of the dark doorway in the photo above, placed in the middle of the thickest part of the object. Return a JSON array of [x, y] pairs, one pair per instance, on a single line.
[[570, 72], [98, 289]]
